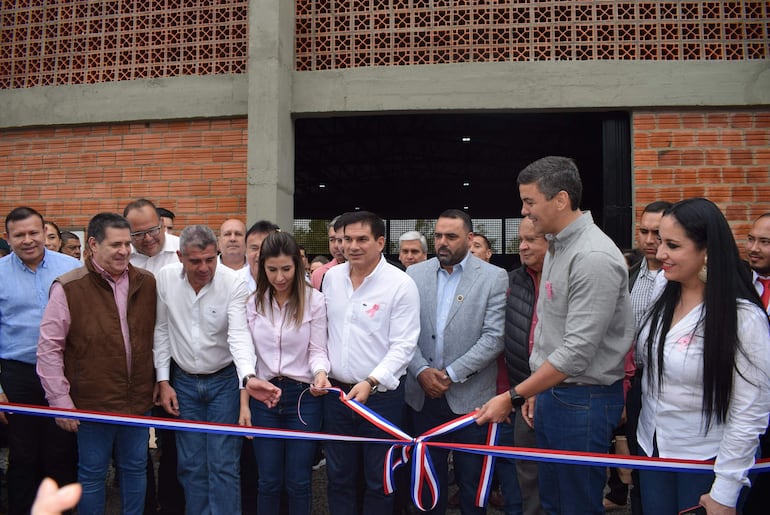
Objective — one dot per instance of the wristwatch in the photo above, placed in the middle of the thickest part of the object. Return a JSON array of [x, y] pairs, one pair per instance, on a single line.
[[517, 401], [246, 379], [373, 384]]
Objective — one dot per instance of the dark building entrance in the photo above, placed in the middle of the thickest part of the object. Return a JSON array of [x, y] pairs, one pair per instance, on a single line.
[[412, 167]]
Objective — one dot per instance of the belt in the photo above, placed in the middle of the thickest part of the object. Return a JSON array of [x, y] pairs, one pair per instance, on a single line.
[[277, 380], [570, 385], [226, 368], [345, 387]]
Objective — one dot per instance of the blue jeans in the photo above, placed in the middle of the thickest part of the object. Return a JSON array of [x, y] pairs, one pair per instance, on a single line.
[[672, 492], [345, 460], [95, 450], [467, 466], [505, 471], [576, 418], [286, 463], [209, 464]]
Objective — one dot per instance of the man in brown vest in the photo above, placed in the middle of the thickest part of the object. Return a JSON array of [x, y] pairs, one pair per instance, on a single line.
[[95, 354]]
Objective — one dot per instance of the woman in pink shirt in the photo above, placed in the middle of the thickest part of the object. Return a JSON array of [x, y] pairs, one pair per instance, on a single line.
[[287, 319]]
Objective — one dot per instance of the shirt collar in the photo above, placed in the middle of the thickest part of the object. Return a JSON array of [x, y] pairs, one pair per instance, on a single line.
[[458, 266], [566, 236], [19, 263], [101, 271]]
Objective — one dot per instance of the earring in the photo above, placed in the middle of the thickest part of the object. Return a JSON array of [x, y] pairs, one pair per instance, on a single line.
[[703, 274]]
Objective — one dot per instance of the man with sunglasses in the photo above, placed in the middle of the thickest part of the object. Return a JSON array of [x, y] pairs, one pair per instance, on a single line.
[[153, 248]]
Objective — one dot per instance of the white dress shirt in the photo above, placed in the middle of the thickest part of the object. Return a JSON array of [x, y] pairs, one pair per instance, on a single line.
[[673, 414], [373, 329], [166, 256], [759, 287], [245, 274], [202, 332]]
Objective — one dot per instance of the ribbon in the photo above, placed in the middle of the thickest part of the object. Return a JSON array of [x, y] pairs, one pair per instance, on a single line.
[[424, 479], [402, 447]]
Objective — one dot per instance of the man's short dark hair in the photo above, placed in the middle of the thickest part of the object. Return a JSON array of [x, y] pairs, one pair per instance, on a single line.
[[67, 236], [486, 240], [22, 213], [462, 215], [163, 212], [657, 207], [262, 227], [98, 225], [366, 218], [553, 174]]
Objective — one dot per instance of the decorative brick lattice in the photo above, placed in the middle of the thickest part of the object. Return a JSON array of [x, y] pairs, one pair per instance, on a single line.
[[77, 42], [349, 33]]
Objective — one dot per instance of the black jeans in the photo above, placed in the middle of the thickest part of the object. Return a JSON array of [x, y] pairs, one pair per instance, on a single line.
[[37, 448]]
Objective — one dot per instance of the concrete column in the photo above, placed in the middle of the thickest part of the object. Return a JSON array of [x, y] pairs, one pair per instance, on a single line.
[[270, 183]]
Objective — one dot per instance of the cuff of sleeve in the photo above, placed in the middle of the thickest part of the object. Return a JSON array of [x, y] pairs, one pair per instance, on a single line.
[[726, 491], [162, 374], [452, 375], [63, 402], [385, 378]]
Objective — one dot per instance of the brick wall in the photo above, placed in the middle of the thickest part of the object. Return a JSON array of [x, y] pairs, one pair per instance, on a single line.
[[195, 168], [721, 155], [198, 168]]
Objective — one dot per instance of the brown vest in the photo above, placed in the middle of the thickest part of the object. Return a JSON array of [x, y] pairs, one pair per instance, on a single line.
[[95, 355]]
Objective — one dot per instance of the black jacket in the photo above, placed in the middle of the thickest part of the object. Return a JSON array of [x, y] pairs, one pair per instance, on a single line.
[[519, 308]]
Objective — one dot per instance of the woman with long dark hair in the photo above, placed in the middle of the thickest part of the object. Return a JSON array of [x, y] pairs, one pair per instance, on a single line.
[[287, 319], [705, 344]]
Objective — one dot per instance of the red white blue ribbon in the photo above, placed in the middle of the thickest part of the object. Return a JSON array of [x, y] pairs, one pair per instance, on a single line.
[[403, 447]]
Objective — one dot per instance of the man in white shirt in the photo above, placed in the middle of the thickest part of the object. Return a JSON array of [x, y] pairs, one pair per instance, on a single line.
[[373, 309], [153, 248], [203, 352], [254, 238], [232, 244]]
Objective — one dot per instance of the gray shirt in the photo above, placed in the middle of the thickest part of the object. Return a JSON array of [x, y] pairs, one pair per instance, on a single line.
[[585, 323]]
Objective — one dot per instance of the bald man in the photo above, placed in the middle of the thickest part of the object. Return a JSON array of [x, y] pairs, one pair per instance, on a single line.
[[232, 244]]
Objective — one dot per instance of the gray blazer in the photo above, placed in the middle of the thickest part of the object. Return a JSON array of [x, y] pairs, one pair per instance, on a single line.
[[473, 337]]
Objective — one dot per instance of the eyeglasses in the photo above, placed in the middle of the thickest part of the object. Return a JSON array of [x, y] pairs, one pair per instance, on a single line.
[[139, 235]]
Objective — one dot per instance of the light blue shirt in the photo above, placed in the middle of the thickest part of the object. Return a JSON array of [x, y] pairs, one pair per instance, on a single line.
[[23, 297], [446, 286]]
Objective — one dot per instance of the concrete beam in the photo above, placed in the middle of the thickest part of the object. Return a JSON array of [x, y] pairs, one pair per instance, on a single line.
[[566, 85], [212, 96]]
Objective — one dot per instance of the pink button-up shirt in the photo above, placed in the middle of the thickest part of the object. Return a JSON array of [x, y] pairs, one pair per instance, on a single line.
[[283, 349]]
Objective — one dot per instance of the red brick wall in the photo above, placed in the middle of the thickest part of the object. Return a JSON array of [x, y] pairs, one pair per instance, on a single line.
[[195, 168], [721, 155], [198, 168]]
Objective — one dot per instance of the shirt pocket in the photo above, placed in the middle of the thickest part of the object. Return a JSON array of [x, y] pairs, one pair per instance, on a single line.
[[214, 319], [370, 316]]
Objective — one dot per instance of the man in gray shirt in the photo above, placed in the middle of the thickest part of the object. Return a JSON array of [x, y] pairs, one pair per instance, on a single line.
[[585, 328]]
